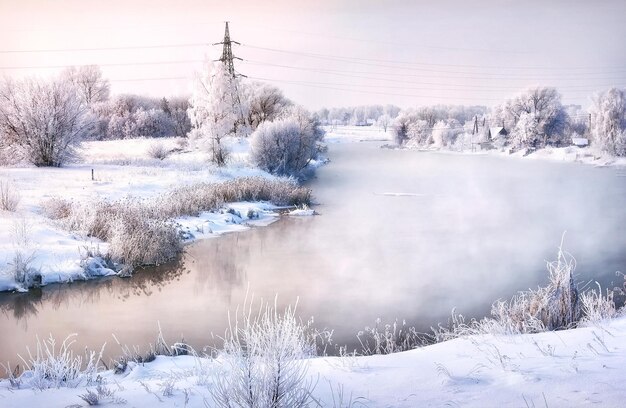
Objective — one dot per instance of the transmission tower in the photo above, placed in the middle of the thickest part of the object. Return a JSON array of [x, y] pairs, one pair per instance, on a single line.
[[227, 53], [227, 59]]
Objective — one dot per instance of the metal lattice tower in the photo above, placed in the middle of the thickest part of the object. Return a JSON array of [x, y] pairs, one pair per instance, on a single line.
[[227, 52], [227, 59]]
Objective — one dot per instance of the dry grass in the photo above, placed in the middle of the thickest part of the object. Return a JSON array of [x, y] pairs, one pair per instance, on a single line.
[[142, 233], [9, 196]]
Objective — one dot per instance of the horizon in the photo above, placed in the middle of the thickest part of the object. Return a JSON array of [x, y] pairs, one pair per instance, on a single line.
[[323, 54]]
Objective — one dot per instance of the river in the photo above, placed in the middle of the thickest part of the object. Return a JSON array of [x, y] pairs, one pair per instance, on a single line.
[[401, 234]]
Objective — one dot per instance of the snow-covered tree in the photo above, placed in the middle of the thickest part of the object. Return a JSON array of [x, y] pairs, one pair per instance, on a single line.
[[178, 113], [445, 132], [45, 121], [89, 82], [384, 121], [547, 114], [526, 131], [214, 110], [264, 102], [419, 133], [152, 123], [608, 125]]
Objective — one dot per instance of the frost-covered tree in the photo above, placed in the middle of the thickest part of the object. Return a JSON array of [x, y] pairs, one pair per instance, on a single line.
[[178, 113], [89, 82], [445, 132], [214, 111], [548, 115], [152, 123], [384, 121], [392, 111], [526, 131], [608, 126], [264, 102], [44, 120], [286, 146], [419, 133]]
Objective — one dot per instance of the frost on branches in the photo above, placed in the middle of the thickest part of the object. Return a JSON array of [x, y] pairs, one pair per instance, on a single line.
[[43, 121], [215, 111], [608, 126]]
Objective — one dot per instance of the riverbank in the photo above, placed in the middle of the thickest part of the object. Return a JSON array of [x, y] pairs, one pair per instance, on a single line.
[[112, 171], [568, 368], [567, 154]]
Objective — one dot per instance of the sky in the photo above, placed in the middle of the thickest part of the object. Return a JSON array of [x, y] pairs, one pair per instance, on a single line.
[[330, 53]]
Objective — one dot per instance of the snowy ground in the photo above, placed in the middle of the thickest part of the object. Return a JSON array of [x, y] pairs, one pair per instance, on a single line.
[[120, 168], [574, 368]]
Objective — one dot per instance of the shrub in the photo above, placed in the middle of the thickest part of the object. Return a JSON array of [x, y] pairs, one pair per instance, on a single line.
[[9, 197], [284, 147], [264, 361], [158, 151], [56, 208], [555, 306], [52, 368]]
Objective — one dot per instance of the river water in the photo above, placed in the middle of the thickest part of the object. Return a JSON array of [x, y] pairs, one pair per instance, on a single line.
[[401, 234]]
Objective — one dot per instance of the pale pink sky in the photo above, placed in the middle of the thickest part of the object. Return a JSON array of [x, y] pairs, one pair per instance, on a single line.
[[331, 52]]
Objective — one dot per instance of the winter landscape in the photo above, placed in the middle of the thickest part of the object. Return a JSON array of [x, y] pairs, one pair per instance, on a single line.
[[312, 204]]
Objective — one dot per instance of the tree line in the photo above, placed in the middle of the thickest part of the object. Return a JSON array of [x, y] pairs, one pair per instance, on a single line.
[[533, 119]]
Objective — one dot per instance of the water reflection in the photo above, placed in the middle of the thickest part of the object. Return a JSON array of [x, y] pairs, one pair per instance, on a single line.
[[24, 306]]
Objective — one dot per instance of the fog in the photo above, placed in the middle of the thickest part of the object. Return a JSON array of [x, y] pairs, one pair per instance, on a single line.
[[401, 234]]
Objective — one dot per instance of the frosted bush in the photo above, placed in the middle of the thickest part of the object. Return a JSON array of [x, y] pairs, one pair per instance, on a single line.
[[50, 367], [56, 208], [283, 147], [264, 361], [158, 151], [9, 197]]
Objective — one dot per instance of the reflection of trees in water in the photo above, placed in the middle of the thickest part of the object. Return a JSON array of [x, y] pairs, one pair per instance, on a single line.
[[143, 283], [219, 264], [21, 305]]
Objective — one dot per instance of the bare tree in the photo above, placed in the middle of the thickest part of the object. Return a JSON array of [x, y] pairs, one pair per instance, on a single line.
[[90, 84], [44, 120], [265, 102]]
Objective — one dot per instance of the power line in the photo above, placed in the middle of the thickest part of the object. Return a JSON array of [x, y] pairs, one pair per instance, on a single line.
[[132, 47], [360, 61], [114, 64], [412, 88], [350, 74]]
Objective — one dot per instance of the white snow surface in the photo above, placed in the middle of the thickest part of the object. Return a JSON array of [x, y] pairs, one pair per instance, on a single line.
[[572, 368], [121, 168]]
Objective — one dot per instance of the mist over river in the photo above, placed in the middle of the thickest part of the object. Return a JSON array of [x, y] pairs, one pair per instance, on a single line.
[[401, 234]]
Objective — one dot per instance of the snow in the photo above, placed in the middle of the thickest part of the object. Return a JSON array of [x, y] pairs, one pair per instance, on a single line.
[[578, 367], [343, 134], [121, 168], [301, 212]]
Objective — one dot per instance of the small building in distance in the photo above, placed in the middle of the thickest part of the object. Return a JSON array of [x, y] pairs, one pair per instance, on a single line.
[[497, 132], [580, 141]]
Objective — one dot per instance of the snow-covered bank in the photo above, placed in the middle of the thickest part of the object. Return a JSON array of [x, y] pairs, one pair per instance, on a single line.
[[112, 170], [569, 368], [587, 155]]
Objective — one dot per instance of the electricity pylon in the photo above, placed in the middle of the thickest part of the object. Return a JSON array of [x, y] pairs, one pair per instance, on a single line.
[[227, 53]]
